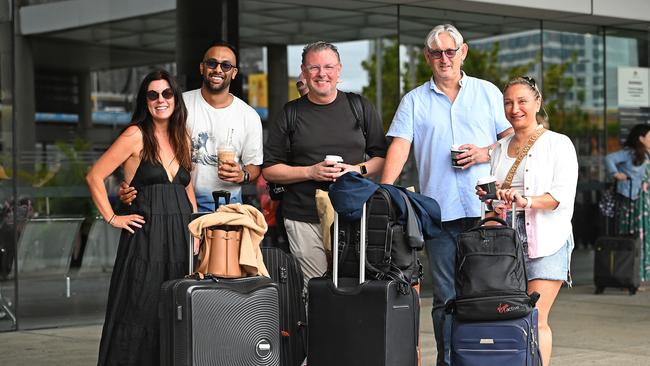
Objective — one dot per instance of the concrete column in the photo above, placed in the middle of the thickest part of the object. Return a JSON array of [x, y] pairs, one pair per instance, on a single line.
[[278, 78], [6, 76], [379, 80], [85, 105], [24, 96], [198, 24]]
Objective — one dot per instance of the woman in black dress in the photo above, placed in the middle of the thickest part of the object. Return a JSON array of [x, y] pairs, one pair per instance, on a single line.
[[155, 153]]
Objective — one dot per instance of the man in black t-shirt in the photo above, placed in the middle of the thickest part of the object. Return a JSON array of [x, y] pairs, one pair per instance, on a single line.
[[324, 124]]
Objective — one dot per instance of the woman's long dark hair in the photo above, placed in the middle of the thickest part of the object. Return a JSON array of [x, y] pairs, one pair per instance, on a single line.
[[176, 128], [633, 142]]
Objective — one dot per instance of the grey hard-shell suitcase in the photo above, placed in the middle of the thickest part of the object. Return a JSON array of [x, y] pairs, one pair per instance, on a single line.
[[219, 321]]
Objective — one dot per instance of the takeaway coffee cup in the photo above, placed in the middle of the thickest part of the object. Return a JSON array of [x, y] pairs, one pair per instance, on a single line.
[[455, 151], [226, 153], [334, 158], [488, 184]]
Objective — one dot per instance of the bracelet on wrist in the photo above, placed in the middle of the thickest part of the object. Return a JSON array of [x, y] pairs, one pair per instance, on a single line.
[[529, 202], [110, 222]]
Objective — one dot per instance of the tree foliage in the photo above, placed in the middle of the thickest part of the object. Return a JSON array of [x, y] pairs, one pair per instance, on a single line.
[[564, 117]]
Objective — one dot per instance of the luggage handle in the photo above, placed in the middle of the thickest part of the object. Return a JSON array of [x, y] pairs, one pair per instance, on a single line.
[[362, 248], [497, 219], [218, 194]]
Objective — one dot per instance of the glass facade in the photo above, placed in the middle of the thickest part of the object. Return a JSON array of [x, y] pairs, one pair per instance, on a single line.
[[67, 85]]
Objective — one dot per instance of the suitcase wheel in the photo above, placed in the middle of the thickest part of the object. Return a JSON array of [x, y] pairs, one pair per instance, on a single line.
[[633, 290], [599, 290]]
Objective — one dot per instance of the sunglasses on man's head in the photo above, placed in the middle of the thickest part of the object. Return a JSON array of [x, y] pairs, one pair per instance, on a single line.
[[152, 95], [437, 54], [530, 80], [212, 64]]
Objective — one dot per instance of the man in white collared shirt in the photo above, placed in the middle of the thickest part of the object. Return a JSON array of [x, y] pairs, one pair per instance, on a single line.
[[452, 108]]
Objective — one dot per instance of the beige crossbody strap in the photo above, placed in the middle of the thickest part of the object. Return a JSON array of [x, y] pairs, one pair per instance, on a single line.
[[511, 173]]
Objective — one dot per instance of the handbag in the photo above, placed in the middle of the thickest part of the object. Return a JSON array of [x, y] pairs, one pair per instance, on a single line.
[[219, 255], [607, 202]]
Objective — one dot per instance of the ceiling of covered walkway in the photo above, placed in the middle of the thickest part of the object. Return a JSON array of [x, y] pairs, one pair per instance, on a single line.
[[146, 29]]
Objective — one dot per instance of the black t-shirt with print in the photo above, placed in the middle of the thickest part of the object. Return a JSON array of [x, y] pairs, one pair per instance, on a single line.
[[320, 130]]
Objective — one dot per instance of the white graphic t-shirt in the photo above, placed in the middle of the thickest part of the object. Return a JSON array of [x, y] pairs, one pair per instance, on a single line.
[[209, 128]]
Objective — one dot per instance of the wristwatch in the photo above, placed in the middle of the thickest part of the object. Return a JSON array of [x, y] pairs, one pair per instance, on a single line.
[[362, 169], [247, 176], [490, 150]]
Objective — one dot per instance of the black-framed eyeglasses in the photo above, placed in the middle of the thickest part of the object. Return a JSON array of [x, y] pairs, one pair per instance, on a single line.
[[153, 95], [437, 54], [213, 63]]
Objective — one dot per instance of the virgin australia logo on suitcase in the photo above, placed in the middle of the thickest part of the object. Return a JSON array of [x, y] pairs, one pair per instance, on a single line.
[[506, 308]]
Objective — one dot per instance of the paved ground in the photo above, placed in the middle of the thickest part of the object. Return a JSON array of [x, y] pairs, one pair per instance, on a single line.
[[609, 330]]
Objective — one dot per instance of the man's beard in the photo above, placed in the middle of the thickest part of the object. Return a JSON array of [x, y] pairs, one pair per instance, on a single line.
[[216, 89]]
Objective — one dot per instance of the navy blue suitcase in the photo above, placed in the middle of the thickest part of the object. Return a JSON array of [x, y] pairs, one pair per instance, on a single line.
[[511, 342]]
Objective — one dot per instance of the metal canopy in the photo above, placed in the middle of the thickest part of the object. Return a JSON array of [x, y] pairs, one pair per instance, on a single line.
[[151, 28]]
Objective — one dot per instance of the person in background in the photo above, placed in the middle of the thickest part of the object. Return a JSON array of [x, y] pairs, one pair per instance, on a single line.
[[217, 119], [629, 167], [544, 188], [154, 150], [325, 124], [451, 108]]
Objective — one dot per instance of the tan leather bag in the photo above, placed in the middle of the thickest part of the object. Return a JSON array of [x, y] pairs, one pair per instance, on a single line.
[[219, 255]]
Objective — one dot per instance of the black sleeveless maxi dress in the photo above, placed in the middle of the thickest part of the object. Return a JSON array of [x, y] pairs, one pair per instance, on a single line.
[[153, 254]]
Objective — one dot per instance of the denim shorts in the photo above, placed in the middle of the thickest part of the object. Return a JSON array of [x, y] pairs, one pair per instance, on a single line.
[[555, 267]]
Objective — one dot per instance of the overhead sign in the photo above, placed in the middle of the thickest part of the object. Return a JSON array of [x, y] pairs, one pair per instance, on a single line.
[[633, 87]]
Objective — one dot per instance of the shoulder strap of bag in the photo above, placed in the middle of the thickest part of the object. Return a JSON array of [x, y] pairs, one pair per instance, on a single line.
[[356, 105], [292, 116], [357, 109], [511, 173]]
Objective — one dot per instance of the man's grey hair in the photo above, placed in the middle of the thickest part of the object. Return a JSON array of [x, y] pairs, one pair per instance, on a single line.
[[319, 46], [434, 36]]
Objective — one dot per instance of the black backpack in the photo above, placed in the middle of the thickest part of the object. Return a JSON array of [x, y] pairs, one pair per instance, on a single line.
[[276, 190], [491, 281], [390, 252]]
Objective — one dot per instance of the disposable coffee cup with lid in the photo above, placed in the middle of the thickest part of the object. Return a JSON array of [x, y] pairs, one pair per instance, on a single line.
[[455, 151], [488, 184], [334, 158]]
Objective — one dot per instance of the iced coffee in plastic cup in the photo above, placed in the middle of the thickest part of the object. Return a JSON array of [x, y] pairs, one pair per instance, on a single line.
[[226, 153]]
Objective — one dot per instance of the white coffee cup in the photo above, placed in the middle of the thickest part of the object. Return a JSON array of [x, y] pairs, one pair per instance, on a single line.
[[334, 158]]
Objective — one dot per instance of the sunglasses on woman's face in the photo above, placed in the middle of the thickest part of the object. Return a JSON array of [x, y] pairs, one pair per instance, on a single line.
[[153, 95]]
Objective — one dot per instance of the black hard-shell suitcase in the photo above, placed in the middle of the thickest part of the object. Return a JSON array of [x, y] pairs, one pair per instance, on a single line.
[[219, 321], [617, 260], [372, 322], [286, 273]]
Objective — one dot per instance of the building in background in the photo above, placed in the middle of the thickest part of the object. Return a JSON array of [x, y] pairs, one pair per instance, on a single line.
[[69, 70]]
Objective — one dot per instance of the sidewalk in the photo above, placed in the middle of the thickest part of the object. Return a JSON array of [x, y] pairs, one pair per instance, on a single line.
[[595, 330]]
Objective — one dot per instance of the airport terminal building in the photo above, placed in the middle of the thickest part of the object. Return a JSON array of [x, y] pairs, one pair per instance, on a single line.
[[69, 72]]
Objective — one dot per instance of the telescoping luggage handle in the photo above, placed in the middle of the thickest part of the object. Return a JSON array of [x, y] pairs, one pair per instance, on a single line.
[[362, 248], [496, 219], [215, 195]]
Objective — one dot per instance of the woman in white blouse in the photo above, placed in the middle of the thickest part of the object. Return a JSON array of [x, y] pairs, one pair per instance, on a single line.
[[543, 186]]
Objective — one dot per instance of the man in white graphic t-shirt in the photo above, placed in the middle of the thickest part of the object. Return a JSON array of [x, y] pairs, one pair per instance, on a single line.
[[218, 120]]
